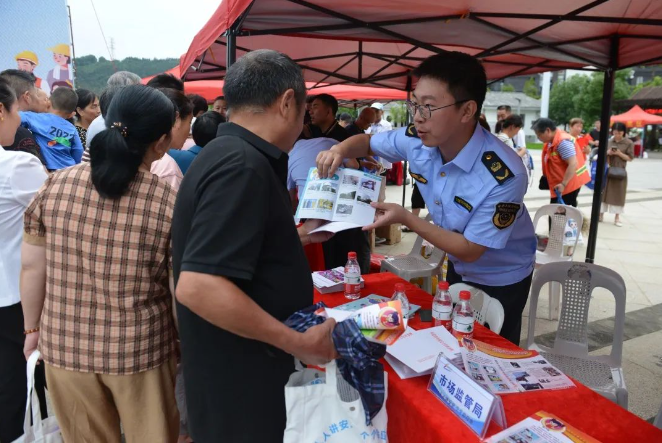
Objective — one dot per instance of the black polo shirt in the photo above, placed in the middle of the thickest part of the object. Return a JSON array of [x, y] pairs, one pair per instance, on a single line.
[[233, 219], [335, 131], [353, 130]]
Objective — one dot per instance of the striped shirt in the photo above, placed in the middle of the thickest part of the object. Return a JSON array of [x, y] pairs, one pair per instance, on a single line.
[[566, 149], [108, 307]]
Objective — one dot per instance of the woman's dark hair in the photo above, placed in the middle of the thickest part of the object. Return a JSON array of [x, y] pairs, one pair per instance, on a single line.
[[85, 98], [618, 126], [199, 103], [483, 122], [205, 127], [512, 120], [7, 95], [137, 117], [182, 104]]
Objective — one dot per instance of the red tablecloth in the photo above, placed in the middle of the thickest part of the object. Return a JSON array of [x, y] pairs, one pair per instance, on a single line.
[[415, 415]]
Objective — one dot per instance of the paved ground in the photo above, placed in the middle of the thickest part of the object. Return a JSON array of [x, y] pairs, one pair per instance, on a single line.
[[635, 252]]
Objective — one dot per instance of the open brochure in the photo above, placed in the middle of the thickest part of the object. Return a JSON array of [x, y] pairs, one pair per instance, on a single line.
[[331, 280], [416, 352], [381, 323], [541, 427], [503, 371], [372, 299], [344, 199]]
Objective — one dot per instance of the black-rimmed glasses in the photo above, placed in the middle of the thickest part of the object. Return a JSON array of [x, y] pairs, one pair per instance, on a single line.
[[425, 111]]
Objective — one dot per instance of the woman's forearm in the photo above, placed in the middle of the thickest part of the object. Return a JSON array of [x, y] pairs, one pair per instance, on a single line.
[[32, 283]]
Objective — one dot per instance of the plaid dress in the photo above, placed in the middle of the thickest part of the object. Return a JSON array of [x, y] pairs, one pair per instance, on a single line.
[[108, 307]]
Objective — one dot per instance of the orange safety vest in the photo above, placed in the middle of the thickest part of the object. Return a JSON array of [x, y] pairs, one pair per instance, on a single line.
[[554, 167]]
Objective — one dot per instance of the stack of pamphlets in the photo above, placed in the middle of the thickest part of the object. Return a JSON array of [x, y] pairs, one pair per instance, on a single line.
[[331, 280]]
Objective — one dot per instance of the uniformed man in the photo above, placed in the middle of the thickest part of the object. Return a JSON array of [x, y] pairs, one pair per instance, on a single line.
[[472, 183]]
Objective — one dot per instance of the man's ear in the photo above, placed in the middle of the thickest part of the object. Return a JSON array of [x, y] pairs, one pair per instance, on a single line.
[[287, 103], [469, 111]]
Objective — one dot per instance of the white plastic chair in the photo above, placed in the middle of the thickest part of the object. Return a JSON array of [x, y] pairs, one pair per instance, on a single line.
[[603, 374], [554, 250], [486, 309], [414, 265]]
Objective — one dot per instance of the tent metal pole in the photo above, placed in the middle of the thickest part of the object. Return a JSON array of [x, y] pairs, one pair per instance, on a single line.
[[231, 47], [404, 166], [607, 95]]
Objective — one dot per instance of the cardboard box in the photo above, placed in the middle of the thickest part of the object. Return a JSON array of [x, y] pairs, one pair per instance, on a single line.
[[391, 233]]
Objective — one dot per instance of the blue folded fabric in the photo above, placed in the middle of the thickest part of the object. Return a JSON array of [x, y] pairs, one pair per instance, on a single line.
[[358, 362]]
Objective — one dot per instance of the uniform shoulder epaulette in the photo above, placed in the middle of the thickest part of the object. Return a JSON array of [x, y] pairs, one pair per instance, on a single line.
[[411, 131], [497, 167]]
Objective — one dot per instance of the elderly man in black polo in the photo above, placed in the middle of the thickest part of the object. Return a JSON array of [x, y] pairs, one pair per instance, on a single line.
[[238, 260]]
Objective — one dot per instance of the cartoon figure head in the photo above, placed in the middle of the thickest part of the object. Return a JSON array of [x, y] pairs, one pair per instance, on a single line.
[[61, 54], [389, 318], [26, 61]]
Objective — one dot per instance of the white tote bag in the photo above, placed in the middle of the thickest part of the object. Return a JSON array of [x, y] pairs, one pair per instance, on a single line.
[[322, 406], [41, 431]]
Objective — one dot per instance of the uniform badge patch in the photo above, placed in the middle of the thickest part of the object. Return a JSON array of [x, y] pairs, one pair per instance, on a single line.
[[418, 177], [411, 131], [505, 214], [462, 202], [497, 167]]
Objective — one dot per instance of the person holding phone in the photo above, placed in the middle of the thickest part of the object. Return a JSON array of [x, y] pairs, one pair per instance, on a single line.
[[620, 151]]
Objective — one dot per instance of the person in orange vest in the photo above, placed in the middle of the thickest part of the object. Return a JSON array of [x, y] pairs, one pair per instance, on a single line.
[[562, 162]]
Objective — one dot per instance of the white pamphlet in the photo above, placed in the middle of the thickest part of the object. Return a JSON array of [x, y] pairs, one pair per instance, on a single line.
[[344, 199]]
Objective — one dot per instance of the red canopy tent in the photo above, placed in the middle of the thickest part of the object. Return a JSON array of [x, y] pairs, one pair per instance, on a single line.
[[379, 42], [211, 89], [636, 118]]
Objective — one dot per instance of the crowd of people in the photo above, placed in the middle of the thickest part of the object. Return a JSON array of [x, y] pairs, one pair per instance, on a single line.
[[150, 253]]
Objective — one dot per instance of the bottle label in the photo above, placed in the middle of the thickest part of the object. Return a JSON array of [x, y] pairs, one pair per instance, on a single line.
[[442, 311], [352, 279], [352, 289], [462, 324]]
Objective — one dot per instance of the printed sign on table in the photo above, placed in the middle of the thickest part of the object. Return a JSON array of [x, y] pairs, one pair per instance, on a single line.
[[470, 402]]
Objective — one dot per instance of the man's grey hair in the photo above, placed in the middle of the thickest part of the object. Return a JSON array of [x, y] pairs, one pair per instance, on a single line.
[[123, 78], [258, 78]]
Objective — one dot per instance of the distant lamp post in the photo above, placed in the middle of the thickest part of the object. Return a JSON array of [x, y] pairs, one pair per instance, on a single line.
[[519, 105]]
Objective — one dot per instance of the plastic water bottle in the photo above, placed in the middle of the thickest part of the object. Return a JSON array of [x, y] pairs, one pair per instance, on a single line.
[[352, 277], [463, 317], [399, 294], [442, 306]]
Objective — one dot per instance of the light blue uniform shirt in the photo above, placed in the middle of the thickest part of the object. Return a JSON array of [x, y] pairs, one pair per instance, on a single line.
[[479, 194], [303, 157]]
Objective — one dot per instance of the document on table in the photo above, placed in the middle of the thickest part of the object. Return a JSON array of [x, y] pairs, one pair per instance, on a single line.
[[542, 427], [416, 352], [509, 375], [344, 199]]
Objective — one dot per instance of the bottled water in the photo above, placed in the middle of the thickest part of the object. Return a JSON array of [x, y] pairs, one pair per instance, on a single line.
[[463, 317], [399, 294], [352, 277], [442, 306]]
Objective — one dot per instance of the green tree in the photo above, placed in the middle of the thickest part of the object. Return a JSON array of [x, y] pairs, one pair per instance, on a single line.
[[398, 112], [589, 102], [562, 106], [351, 111], [530, 88], [507, 88], [657, 81]]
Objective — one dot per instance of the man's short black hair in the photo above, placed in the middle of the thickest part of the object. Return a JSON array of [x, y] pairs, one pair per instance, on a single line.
[[463, 74], [199, 103], [205, 127], [64, 100], [345, 117], [162, 81], [220, 97], [257, 79], [20, 81], [329, 101], [506, 108], [310, 99], [543, 124]]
